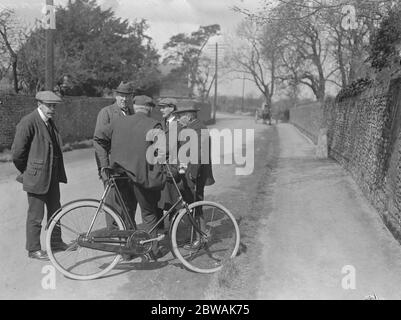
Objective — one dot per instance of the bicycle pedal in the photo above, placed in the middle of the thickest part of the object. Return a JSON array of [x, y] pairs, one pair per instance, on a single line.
[[146, 258], [160, 237]]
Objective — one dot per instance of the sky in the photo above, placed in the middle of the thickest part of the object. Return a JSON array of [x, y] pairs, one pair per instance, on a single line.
[[165, 17]]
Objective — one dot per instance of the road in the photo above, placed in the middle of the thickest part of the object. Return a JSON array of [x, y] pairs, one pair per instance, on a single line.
[[306, 233], [21, 278]]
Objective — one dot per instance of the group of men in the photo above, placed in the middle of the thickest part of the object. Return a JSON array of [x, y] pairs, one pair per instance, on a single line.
[[120, 139]]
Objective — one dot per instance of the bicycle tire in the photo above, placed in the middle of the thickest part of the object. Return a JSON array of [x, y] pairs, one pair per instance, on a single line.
[[55, 256], [206, 257]]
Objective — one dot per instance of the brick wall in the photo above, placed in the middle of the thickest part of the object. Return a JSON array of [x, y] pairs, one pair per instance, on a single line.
[[75, 117]]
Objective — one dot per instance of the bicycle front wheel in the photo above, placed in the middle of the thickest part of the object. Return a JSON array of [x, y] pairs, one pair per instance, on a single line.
[[207, 252], [73, 221]]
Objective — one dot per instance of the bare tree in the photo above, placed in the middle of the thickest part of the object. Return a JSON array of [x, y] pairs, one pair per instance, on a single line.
[[304, 50], [257, 57], [205, 78], [318, 26], [10, 39]]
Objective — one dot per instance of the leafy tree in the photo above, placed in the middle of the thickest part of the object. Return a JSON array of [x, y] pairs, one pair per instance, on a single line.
[[185, 51], [97, 49], [385, 45]]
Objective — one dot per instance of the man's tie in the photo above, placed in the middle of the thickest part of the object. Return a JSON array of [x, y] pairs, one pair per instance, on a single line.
[[50, 128]]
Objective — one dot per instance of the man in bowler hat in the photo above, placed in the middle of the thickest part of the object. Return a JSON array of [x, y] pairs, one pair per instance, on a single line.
[[121, 108], [37, 154]]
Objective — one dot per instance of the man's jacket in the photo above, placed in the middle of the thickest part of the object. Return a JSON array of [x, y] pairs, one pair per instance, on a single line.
[[32, 152], [104, 118], [201, 171], [125, 140]]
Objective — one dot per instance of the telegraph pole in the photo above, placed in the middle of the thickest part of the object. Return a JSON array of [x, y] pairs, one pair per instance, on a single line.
[[243, 92], [215, 84], [50, 25]]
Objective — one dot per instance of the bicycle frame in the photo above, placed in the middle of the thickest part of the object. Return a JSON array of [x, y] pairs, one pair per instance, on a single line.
[[132, 225], [112, 184]]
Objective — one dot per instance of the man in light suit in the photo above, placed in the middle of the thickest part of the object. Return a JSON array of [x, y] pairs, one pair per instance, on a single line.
[[169, 194], [37, 154]]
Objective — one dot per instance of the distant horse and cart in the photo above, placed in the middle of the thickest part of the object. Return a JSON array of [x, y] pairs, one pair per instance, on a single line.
[[264, 114]]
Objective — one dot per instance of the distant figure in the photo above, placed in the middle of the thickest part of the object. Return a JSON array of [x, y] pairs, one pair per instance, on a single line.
[[322, 147], [266, 114], [65, 87], [37, 155]]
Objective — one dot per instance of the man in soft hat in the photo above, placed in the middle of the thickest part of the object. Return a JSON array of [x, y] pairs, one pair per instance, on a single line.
[[121, 108], [197, 175], [37, 155]]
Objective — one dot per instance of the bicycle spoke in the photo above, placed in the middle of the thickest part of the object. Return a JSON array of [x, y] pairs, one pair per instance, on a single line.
[[80, 262], [69, 229], [200, 253]]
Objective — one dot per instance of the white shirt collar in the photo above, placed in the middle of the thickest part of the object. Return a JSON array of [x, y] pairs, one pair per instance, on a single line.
[[45, 120]]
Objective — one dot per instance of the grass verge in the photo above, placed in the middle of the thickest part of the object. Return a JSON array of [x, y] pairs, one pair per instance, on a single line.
[[239, 279]]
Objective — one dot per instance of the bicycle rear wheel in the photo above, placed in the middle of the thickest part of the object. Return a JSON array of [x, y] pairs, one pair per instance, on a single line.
[[205, 254], [74, 220]]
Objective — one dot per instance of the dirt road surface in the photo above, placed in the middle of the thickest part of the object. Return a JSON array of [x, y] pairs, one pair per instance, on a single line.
[[306, 233], [21, 278]]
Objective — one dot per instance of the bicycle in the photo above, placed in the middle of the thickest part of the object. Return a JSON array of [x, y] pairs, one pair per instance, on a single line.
[[203, 235]]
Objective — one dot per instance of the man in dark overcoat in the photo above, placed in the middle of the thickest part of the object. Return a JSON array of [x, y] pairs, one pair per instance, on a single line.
[[128, 140], [121, 108], [37, 154]]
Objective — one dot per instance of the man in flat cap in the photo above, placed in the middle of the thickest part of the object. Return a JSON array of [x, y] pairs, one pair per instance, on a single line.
[[167, 107], [37, 155], [127, 140], [121, 108], [169, 194]]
